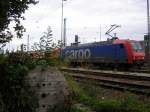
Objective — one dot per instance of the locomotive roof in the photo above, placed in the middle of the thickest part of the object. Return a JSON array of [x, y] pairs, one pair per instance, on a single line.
[[91, 44]]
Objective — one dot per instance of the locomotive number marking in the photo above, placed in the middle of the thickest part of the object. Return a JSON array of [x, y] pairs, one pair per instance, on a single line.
[[78, 54]]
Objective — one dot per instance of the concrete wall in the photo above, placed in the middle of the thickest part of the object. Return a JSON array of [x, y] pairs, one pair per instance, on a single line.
[[51, 88]]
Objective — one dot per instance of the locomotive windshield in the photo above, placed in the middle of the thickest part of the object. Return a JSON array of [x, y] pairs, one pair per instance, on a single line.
[[136, 46]]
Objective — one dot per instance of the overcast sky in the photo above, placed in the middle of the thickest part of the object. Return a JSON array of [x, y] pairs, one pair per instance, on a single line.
[[84, 17]]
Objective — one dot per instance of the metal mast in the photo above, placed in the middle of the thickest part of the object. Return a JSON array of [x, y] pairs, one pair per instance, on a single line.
[[64, 40], [148, 18], [100, 32], [28, 44], [62, 19], [148, 35]]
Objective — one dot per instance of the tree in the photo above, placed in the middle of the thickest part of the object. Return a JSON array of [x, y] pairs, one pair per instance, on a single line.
[[12, 10], [46, 40], [45, 44]]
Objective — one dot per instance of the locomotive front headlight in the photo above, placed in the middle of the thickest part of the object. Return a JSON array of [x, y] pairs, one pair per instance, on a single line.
[[142, 57]]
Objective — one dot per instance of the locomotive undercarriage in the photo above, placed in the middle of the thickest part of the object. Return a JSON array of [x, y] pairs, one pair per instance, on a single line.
[[136, 66]]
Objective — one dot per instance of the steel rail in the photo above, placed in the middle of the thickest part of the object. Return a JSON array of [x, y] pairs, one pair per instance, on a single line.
[[136, 82], [106, 73]]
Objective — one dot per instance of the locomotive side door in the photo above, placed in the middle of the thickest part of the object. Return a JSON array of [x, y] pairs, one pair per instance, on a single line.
[[120, 54]]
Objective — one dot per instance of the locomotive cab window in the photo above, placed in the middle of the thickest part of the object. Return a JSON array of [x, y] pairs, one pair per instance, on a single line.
[[136, 46], [121, 46]]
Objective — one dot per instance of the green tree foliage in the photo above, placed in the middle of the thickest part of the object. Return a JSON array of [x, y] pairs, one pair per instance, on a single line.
[[12, 10], [46, 49], [16, 95], [46, 42]]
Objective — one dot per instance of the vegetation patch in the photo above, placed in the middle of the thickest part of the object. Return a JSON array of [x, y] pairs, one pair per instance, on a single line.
[[127, 103], [16, 95]]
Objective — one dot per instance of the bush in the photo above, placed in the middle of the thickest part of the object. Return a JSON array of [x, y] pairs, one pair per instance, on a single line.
[[15, 93], [53, 61]]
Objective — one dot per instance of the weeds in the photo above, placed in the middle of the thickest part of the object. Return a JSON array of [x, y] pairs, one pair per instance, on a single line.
[[128, 103], [76, 109], [15, 94]]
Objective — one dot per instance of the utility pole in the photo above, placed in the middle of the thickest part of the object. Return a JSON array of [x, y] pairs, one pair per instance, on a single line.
[[64, 40], [148, 36], [62, 19], [100, 33], [28, 43], [148, 18]]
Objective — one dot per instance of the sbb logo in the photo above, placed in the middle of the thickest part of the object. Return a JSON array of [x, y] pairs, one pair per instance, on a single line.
[[78, 54]]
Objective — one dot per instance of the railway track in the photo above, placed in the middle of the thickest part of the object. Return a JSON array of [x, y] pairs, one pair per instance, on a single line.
[[134, 82], [136, 70]]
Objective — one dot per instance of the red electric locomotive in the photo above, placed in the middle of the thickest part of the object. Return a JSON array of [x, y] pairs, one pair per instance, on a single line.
[[113, 53], [135, 52]]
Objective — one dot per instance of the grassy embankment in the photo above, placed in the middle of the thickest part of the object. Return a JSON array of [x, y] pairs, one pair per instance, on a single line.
[[103, 100]]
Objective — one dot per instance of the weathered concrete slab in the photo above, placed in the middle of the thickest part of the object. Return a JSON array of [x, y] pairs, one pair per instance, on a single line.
[[51, 88]]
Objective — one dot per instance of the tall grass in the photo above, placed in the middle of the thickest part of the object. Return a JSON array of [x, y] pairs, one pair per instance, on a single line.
[[128, 103]]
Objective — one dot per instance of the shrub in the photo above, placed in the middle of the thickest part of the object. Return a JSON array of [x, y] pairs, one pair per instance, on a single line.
[[15, 93]]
